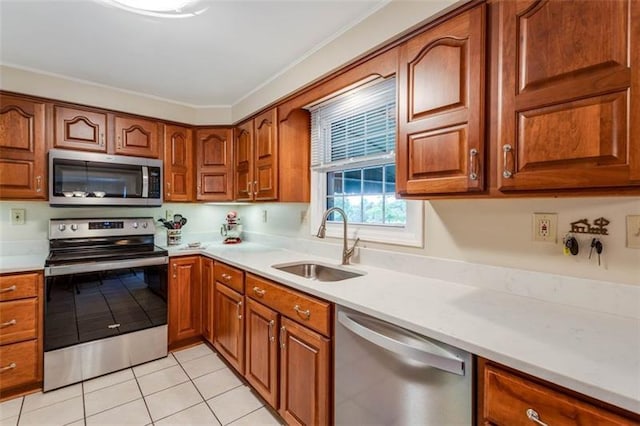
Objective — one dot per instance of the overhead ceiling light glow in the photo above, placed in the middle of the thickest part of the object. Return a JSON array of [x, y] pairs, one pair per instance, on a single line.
[[160, 8]]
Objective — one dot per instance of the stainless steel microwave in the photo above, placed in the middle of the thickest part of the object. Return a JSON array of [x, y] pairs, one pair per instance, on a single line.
[[90, 179]]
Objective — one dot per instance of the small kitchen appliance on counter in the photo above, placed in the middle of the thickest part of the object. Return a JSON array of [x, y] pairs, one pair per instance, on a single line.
[[106, 298], [231, 230]]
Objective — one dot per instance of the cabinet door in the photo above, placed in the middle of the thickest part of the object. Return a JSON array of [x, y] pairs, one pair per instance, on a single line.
[[23, 152], [304, 375], [208, 284], [294, 151], [229, 325], [243, 161], [262, 350], [184, 298], [265, 183], [440, 147], [178, 164], [80, 129], [214, 159], [137, 136], [565, 92]]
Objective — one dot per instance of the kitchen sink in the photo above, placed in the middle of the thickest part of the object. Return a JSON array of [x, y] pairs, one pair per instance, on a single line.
[[318, 271]]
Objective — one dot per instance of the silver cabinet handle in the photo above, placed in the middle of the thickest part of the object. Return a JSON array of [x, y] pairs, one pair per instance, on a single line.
[[119, 141], [282, 331], [175, 270], [439, 358], [259, 292], [270, 332], [506, 149], [101, 139], [168, 189], [303, 313], [255, 187], [473, 164], [12, 322], [248, 187], [8, 367], [535, 417], [38, 183], [8, 289], [239, 309]]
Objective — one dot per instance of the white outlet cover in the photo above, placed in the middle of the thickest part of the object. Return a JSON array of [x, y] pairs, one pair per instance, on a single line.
[[633, 231], [545, 227]]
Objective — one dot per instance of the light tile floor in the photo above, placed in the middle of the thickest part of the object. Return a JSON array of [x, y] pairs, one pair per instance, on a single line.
[[189, 387]]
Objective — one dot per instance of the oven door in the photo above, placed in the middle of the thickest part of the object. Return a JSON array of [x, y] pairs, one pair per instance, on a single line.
[[95, 301]]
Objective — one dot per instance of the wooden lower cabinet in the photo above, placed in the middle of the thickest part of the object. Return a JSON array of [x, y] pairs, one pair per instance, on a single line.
[[21, 329], [208, 286], [184, 299], [261, 360], [511, 398], [229, 325], [304, 375]]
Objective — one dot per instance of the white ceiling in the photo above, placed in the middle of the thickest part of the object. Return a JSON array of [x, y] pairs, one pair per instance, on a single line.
[[216, 58]]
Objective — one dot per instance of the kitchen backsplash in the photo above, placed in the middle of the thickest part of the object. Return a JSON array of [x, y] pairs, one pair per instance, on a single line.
[[492, 232]]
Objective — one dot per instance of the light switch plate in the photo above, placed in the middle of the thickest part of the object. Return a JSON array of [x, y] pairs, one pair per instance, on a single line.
[[633, 231], [545, 227]]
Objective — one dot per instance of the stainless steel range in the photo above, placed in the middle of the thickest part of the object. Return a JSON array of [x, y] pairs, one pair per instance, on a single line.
[[105, 298]]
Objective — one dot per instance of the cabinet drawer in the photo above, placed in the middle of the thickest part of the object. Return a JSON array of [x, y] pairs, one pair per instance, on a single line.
[[18, 364], [18, 320], [306, 310], [229, 276], [19, 286], [508, 397]]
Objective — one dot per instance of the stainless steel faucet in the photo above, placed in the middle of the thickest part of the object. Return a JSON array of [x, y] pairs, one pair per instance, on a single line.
[[346, 251]]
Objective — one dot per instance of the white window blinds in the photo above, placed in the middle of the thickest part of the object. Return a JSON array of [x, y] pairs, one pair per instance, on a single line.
[[357, 128]]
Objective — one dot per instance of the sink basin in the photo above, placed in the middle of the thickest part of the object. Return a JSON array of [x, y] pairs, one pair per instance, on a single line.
[[318, 271]]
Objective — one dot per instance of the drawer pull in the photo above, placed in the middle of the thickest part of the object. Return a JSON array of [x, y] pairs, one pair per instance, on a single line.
[[259, 292], [239, 309], [8, 367], [535, 417], [306, 314], [12, 322], [8, 289], [226, 277]]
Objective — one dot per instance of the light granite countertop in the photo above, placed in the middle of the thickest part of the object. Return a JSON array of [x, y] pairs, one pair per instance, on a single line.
[[594, 353]]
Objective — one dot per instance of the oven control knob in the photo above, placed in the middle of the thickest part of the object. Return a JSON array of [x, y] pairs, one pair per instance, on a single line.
[[74, 227], [62, 227], [135, 225], [145, 225]]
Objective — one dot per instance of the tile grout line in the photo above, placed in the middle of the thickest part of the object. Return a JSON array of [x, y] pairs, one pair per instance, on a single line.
[[245, 415], [20, 412], [198, 390], [144, 400]]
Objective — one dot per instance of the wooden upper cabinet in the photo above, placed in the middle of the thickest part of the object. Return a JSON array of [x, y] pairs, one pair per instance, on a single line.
[[23, 152], [184, 298], [568, 73], [214, 158], [178, 163], [81, 129], [137, 136], [265, 184], [294, 150], [243, 161], [440, 146]]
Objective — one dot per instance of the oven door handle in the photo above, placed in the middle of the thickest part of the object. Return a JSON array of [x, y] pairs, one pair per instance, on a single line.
[[79, 268]]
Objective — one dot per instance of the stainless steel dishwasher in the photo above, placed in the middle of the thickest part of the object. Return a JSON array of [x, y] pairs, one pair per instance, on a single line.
[[387, 375]]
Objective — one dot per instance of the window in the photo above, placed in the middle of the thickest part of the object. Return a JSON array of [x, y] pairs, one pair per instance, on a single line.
[[353, 167]]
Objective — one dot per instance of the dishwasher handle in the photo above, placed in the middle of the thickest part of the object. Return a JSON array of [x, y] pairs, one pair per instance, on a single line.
[[446, 361]]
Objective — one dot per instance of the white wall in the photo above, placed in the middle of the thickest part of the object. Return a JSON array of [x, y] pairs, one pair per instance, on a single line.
[[497, 232]]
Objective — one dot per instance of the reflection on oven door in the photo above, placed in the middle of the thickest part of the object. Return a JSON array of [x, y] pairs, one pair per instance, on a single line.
[[85, 307]]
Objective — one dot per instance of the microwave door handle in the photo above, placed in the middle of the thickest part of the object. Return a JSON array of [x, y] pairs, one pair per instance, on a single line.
[[145, 182], [445, 361]]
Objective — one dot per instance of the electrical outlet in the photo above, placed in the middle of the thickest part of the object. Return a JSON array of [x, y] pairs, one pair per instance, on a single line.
[[168, 215], [633, 231], [303, 216], [18, 216], [545, 227], [264, 216]]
